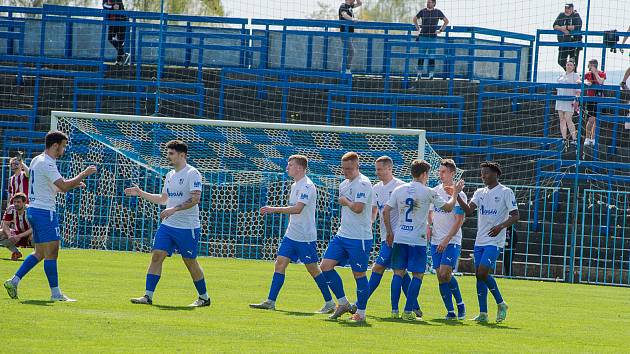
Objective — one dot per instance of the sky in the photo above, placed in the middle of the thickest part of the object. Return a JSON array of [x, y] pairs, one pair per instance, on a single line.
[[522, 16]]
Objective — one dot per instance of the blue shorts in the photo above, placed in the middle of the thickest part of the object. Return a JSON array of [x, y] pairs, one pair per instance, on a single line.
[[447, 257], [45, 225], [349, 251], [306, 252], [186, 241], [487, 256], [384, 255], [411, 258]]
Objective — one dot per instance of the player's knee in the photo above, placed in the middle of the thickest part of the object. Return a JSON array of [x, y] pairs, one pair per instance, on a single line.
[[418, 275], [399, 272], [444, 275], [313, 269], [358, 275], [158, 257], [377, 268], [481, 274], [327, 265]]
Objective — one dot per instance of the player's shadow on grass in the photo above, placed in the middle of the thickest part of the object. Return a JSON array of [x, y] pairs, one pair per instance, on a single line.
[[502, 326], [296, 313], [400, 320], [174, 308], [37, 302], [347, 323], [448, 322]]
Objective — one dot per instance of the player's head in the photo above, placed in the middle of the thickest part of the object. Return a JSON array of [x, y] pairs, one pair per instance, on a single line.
[[431, 4], [447, 171], [19, 201], [176, 152], [14, 164], [56, 142], [593, 63], [350, 165], [490, 172], [420, 170], [568, 9], [297, 165], [384, 167]]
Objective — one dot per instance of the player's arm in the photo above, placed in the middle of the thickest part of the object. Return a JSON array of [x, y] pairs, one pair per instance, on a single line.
[[357, 4], [625, 38], [135, 191], [345, 15], [24, 234], [457, 224], [195, 197], [415, 23], [6, 228], [429, 224], [444, 24], [513, 219], [356, 207], [387, 220], [450, 205], [374, 213], [66, 185], [25, 169], [293, 209]]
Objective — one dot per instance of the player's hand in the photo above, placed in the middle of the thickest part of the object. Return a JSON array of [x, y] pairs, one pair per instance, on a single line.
[[390, 239], [132, 191], [166, 213], [442, 246], [13, 237], [494, 231], [267, 210], [89, 171], [116, 7], [82, 185], [459, 186], [343, 201]]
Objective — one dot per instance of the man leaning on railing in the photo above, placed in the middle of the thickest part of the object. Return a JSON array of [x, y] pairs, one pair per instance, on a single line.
[[568, 21], [116, 33]]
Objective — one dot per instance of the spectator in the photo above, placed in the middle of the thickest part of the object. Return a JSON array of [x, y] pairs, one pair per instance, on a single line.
[[18, 182], [626, 75], [568, 21], [593, 78], [428, 31], [566, 108], [346, 14], [16, 231], [116, 33]]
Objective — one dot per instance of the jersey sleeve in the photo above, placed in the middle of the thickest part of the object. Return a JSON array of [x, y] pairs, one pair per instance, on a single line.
[[51, 172], [307, 195], [194, 180], [374, 201], [393, 199], [8, 214], [510, 200], [475, 197], [458, 209], [436, 199], [441, 15], [363, 193]]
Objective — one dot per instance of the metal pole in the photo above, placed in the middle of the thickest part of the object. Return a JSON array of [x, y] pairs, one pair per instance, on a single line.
[[160, 60]]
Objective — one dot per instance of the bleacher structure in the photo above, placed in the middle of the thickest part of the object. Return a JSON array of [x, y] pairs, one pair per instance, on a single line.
[[485, 104]]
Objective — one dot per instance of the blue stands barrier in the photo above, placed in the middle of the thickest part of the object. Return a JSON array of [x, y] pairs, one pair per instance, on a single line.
[[616, 119], [28, 113], [140, 93], [390, 103], [283, 79], [14, 140]]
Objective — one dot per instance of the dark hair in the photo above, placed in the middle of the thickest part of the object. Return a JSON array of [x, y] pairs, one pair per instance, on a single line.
[[19, 195], [385, 160], [450, 164], [418, 167], [178, 146], [55, 137], [593, 61], [493, 166], [300, 159]]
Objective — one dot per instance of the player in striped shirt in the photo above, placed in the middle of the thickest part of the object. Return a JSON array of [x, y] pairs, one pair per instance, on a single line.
[[18, 182], [16, 230]]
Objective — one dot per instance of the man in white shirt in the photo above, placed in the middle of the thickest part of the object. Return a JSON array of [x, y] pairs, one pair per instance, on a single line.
[[300, 238], [44, 184], [497, 211], [445, 234], [408, 238], [353, 242], [180, 227]]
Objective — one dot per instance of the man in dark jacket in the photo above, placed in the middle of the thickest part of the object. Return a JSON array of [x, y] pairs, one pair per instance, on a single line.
[[116, 33], [566, 22]]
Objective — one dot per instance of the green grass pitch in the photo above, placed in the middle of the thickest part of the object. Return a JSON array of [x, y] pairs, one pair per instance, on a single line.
[[543, 317]]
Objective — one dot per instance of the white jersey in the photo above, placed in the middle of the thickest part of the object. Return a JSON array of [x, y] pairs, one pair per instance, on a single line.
[[413, 200], [353, 225], [302, 226], [494, 206], [443, 221], [178, 187], [42, 189], [382, 192]]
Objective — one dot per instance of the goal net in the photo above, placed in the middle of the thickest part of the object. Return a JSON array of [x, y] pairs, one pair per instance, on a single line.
[[242, 166]]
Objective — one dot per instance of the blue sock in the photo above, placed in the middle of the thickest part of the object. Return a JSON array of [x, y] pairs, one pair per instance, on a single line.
[[455, 290], [405, 285], [28, 264], [363, 292], [447, 297], [412, 293], [201, 286], [50, 268], [396, 287], [151, 283], [494, 289], [276, 285], [375, 280], [482, 296], [323, 286], [334, 282]]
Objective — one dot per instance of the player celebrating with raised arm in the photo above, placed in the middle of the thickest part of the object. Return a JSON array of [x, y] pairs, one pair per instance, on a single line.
[[300, 238], [408, 238], [353, 242], [180, 227], [446, 241], [497, 211], [44, 184]]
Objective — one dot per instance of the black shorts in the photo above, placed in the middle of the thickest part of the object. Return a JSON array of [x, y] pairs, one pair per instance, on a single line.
[[591, 108]]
